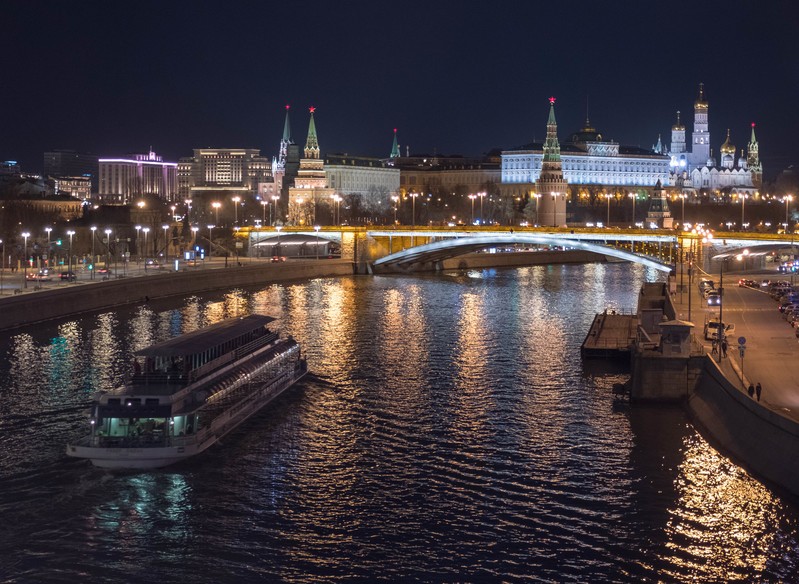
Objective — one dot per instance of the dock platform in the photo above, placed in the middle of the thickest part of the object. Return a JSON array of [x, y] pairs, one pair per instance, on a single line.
[[610, 336]]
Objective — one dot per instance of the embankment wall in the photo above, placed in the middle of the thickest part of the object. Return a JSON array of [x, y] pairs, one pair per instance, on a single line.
[[44, 305]]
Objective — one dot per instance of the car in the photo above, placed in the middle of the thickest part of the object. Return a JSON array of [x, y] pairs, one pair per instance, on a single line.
[[71, 276], [744, 283], [276, 259], [102, 270], [713, 299], [713, 326], [40, 276], [708, 291]]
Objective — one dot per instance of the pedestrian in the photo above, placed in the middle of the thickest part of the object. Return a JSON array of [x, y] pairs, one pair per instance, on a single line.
[[714, 344], [724, 346], [758, 389], [751, 390]]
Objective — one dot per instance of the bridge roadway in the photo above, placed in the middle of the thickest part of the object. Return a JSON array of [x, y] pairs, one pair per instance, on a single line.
[[772, 349]]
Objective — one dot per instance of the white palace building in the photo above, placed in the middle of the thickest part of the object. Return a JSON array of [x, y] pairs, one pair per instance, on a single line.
[[588, 160]]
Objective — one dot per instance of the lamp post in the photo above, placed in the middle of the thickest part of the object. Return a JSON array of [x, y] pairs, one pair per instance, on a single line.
[[146, 231], [743, 206], [316, 227], [69, 263], [25, 236], [236, 210], [210, 240], [138, 245], [413, 209], [396, 199], [633, 196], [108, 248], [166, 243], [216, 205], [608, 197], [472, 197], [48, 230], [94, 263], [275, 199], [682, 221], [264, 204], [188, 208], [481, 195], [788, 199]]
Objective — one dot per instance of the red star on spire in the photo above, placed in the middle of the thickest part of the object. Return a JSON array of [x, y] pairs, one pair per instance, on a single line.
[[312, 109], [753, 124], [395, 129], [552, 101], [287, 107]]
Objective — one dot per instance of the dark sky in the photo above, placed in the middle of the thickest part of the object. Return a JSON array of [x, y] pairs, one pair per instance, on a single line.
[[112, 78]]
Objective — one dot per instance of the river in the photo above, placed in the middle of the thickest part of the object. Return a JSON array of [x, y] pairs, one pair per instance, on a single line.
[[449, 432]]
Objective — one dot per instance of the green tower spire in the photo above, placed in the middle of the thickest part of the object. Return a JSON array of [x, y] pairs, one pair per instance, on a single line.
[[395, 151], [312, 143], [551, 145], [287, 127]]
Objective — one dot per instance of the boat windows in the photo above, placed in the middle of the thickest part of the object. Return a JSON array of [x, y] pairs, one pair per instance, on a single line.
[[132, 401], [114, 401]]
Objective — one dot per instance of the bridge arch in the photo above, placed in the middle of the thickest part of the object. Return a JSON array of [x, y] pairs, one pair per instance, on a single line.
[[441, 250]]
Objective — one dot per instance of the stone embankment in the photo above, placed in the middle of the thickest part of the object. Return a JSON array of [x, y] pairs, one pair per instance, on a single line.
[[25, 309]]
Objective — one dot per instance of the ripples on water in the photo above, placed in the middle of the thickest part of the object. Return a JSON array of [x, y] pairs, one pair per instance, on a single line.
[[450, 433]]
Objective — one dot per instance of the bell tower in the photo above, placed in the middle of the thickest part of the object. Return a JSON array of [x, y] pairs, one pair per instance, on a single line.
[[700, 147]]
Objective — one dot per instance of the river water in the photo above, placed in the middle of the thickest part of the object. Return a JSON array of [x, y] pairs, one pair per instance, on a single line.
[[449, 432]]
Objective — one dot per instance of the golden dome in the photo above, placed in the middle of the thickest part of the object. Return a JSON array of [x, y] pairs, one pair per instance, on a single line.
[[728, 147]]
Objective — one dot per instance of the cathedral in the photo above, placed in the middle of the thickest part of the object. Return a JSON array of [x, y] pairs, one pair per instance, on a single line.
[[698, 170]]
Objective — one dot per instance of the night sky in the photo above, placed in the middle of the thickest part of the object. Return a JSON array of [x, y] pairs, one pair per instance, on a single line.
[[113, 78]]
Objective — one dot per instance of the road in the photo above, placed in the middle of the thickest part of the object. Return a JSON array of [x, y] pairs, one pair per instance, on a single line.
[[772, 348]]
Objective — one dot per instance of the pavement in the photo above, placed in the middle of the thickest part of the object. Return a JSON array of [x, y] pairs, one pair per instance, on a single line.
[[771, 357]]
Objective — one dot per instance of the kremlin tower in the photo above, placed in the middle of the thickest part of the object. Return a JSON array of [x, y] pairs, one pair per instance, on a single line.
[[550, 184]]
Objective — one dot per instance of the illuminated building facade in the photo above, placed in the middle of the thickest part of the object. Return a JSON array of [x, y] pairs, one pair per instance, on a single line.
[[587, 160], [58, 163], [697, 169], [374, 180], [124, 179], [224, 171]]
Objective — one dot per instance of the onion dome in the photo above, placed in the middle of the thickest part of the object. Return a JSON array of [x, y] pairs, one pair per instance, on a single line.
[[678, 126], [700, 102], [728, 147]]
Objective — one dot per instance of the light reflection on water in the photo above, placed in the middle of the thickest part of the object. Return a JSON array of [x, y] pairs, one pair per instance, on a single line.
[[450, 432]]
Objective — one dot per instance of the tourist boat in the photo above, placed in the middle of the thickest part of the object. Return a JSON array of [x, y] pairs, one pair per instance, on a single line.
[[184, 394]]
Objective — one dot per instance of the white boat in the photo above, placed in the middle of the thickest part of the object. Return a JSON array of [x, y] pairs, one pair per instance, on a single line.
[[186, 393]]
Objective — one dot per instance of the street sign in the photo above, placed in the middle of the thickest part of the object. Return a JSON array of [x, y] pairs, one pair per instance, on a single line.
[[741, 351], [741, 340]]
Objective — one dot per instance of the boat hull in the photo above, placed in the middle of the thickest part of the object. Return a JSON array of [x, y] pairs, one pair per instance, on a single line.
[[129, 458]]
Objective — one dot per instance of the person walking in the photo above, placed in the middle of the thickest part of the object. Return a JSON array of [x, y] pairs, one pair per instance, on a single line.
[[724, 346], [758, 389], [751, 390], [714, 344]]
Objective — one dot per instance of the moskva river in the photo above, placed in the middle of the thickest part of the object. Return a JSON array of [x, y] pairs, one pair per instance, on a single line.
[[449, 432]]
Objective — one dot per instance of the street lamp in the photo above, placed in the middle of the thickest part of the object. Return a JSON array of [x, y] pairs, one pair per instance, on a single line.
[[146, 231], [316, 227], [48, 230], [210, 240], [396, 199], [188, 207], [69, 263], [608, 197], [94, 263], [473, 197], [743, 206], [138, 245], [166, 243], [25, 236], [413, 209], [275, 199], [633, 197], [682, 221], [788, 199], [481, 195], [264, 204], [108, 245], [216, 205], [236, 209]]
